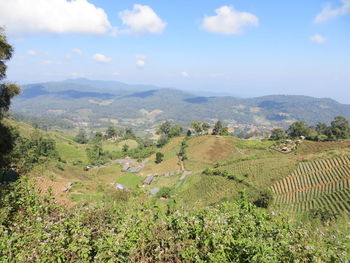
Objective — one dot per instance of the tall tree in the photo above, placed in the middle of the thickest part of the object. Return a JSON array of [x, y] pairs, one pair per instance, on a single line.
[[297, 129], [217, 128], [340, 127], [197, 126], [7, 92]]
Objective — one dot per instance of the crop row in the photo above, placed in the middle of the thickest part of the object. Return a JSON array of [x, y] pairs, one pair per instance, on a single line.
[[335, 202], [320, 165], [313, 192], [313, 178]]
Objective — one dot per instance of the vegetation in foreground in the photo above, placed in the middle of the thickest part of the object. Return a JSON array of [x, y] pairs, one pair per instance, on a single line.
[[33, 228]]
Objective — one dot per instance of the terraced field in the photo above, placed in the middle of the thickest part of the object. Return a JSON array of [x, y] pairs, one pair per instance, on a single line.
[[318, 184]]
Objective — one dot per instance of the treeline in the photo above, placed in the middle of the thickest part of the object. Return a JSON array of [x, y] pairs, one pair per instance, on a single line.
[[339, 129], [43, 123]]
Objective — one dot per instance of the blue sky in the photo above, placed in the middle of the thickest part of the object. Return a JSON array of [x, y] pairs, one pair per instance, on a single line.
[[244, 48]]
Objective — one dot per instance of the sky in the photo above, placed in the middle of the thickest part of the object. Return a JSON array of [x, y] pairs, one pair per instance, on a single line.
[[245, 48]]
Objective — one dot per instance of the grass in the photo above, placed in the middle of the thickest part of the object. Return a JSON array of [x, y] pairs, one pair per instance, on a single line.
[[129, 180], [71, 152], [117, 147]]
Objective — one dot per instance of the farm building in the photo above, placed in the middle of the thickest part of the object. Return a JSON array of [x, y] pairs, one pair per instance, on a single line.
[[148, 179]]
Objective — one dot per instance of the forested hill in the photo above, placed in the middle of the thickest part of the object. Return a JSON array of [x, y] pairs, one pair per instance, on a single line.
[[103, 103]]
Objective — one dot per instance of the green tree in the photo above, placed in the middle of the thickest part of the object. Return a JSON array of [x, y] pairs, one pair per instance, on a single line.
[[164, 128], [197, 126], [81, 137], [277, 135], [125, 148], [224, 131], [340, 127], [298, 129], [129, 134], [159, 157], [321, 128], [205, 127], [217, 128], [175, 131], [94, 153], [7, 92], [110, 132]]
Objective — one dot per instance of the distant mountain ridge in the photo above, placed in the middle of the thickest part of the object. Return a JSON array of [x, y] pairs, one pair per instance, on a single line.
[[102, 103]]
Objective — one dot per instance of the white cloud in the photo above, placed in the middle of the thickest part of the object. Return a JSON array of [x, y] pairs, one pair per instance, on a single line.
[[229, 21], [142, 19], [328, 12], [101, 58], [140, 63], [53, 16], [141, 60], [318, 39], [185, 74], [77, 51], [32, 52], [50, 62], [116, 73]]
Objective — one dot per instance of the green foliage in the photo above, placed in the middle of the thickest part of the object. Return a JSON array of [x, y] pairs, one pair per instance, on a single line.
[[338, 130], [265, 199], [164, 192], [81, 137], [159, 157], [8, 137], [129, 134], [7, 92], [219, 129], [125, 148], [325, 216], [182, 152], [37, 149], [34, 229], [98, 137], [163, 139], [197, 126], [112, 132], [95, 153], [175, 131], [167, 129], [298, 129], [205, 127], [277, 135], [217, 172]]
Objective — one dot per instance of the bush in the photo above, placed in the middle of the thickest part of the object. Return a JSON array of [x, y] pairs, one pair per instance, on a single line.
[[164, 192], [35, 229], [159, 157], [264, 200]]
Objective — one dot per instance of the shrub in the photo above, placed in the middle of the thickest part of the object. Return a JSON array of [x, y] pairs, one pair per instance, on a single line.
[[264, 200], [159, 157], [164, 192]]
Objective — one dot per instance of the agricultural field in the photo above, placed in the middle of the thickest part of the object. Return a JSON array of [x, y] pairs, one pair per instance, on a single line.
[[315, 176], [322, 184]]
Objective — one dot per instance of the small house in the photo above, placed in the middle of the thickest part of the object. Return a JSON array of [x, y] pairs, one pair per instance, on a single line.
[[148, 180]]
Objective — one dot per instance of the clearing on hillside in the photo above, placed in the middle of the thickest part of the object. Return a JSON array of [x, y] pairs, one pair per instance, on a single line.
[[204, 150]]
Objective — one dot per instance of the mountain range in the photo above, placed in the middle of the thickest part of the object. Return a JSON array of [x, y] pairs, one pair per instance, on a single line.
[[93, 103]]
